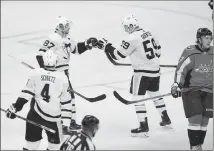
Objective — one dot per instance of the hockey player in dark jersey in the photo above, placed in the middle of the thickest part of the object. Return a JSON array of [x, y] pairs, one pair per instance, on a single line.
[[83, 140], [194, 75]]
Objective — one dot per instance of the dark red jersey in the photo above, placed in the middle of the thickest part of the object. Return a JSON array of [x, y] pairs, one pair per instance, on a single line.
[[195, 68]]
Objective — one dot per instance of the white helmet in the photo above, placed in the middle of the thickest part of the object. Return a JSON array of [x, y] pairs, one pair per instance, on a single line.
[[63, 24], [130, 23], [50, 59]]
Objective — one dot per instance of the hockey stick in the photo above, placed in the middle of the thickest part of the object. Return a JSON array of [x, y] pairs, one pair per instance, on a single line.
[[95, 99], [34, 123], [29, 66], [114, 62], [127, 102], [125, 64]]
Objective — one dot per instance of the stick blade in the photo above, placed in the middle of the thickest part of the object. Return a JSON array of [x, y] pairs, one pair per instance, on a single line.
[[120, 98], [98, 98]]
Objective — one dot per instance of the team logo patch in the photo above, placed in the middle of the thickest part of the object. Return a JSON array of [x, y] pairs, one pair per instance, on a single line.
[[189, 47], [205, 69]]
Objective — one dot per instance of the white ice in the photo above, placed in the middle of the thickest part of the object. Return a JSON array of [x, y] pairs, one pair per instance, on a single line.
[[24, 26]]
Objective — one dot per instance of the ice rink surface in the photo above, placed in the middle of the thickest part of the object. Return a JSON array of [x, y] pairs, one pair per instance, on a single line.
[[24, 26]]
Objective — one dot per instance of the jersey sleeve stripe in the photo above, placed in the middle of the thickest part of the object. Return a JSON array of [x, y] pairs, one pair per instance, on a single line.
[[180, 72], [65, 117], [147, 71], [66, 110], [160, 106], [67, 102], [42, 50], [140, 111], [60, 66], [28, 92]]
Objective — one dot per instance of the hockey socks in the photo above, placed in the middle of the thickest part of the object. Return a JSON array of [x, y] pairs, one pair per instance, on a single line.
[[194, 137]]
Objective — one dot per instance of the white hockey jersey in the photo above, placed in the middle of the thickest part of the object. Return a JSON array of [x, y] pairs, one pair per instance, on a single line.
[[144, 52], [62, 46], [52, 100]]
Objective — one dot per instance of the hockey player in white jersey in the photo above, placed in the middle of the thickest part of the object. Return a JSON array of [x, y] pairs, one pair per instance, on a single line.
[[51, 101], [144, 53], [63, 45]]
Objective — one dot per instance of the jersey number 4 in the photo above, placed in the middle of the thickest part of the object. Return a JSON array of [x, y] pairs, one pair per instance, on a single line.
[[149, 50], [45, 93]]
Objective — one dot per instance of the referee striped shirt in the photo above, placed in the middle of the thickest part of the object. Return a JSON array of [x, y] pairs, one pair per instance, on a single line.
[[78, 141]]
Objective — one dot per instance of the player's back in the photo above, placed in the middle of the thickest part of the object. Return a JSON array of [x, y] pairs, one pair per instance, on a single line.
[[48, 88], [146, 53], [62, 46]]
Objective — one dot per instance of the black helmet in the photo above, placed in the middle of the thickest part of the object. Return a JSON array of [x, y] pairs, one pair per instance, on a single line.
[[203, 32], [90, 122]]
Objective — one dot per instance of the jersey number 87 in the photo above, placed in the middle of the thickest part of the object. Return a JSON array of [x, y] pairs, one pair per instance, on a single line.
[[48, 44]]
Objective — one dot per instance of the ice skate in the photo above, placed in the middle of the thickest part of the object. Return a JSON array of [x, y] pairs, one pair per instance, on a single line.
[[166, 122], [74, 125], [142, 131]]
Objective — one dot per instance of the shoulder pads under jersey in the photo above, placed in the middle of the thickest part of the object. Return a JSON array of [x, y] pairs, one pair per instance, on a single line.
[[55, 37], [190, 47]]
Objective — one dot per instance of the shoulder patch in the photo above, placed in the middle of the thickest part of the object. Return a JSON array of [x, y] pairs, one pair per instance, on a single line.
[[190, 47]]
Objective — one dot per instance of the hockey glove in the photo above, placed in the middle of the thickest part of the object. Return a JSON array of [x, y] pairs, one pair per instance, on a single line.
[[91, 42], [175, 90], [40, 61], [10, 112], [103, 44]]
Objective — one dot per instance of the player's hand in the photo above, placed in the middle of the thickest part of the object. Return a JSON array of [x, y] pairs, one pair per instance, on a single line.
[[91, 43], [65, 129], [175, 90], [10, 112], [102, 44]]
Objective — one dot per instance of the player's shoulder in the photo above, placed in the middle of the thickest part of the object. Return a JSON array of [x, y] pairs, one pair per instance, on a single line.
[[36, 72], [70, 38], [61, 76], [131, 37], [55, 37], [142, 34], [191, 49]]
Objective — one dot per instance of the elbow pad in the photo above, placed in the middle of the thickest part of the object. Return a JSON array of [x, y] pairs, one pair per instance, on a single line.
[[40, 61]]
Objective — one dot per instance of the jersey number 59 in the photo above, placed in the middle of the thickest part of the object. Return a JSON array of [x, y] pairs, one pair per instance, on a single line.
[[150, 54]]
